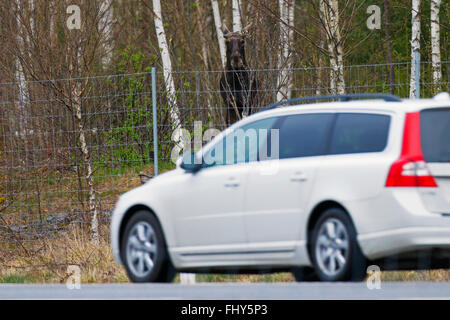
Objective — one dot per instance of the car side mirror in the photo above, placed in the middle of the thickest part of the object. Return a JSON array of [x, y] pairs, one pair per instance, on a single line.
[[190, 162]]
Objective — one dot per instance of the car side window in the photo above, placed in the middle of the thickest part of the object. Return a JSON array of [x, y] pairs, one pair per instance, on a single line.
[[240, 145], [304, 135], [359, 132]]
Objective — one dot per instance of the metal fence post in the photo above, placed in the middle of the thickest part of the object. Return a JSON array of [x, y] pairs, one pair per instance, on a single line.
[[417, 62], [155, 123]]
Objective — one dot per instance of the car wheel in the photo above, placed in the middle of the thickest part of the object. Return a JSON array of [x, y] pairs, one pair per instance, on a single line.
[[304, 274], [335, 251], [144, 251]]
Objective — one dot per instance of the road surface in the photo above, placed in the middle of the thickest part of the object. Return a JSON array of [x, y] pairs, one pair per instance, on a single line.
[[216, 291]]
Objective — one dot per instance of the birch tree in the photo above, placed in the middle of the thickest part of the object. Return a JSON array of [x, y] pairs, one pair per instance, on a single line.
[[435, 45], [78, 88], [186, 278], [167, 71], [236, 10], [415, 47], [220, 38], [105, 26], [19, 74], [329, 13], [286, 39], [72, 58], [76, 97]]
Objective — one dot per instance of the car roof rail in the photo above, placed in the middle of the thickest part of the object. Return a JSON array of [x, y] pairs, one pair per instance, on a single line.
[[342, 97]]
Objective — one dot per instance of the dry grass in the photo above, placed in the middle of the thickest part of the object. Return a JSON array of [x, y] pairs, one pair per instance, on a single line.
[[246, 278], [424, 275], [47, 261]]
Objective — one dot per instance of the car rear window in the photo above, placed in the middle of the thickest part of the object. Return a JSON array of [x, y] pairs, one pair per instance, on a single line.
[[359, 133], [435, 134], [304, 135]]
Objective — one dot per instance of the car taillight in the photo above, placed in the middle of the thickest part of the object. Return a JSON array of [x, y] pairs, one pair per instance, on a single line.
[[411, 169]]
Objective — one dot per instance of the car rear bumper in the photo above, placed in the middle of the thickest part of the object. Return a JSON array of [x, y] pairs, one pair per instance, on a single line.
[[398, 222], [385, 243]]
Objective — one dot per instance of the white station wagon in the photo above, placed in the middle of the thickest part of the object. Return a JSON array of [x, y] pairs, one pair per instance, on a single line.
[[354, 183]]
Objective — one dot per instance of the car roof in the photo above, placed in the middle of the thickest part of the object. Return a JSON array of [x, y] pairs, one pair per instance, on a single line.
[[373, 105]]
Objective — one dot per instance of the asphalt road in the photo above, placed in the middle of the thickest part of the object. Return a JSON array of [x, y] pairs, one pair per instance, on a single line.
[[215, 291]]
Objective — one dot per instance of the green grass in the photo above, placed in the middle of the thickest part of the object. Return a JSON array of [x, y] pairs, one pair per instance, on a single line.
[[18, 278], [243, 278]]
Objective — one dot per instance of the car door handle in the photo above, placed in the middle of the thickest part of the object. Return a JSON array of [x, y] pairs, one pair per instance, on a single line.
[[232, 183], [299, 177]]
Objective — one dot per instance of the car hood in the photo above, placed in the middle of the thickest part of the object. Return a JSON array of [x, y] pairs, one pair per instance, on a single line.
[[154, 183]]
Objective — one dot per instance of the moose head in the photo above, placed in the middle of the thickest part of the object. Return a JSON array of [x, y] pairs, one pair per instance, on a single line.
[[235, 43]]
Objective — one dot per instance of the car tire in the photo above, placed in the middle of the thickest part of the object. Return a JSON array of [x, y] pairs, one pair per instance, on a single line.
[[144, 250], [304, 274], [335, 252]]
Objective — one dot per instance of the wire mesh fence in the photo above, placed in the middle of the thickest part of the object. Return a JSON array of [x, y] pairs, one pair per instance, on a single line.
[[69, 144]]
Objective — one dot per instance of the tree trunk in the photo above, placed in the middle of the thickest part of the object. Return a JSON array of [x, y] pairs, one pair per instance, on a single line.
[[105, 26], [76, 94], [236, 9], [20, 77], [415, 46], [286, 37], [291, 16], [220, 38], [76, 103], [171, 95], [167, 70], [329, 11], [321, 63], [435, 46], [388, 47]]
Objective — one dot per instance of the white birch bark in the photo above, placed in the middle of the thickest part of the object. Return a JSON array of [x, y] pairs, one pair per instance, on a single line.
[[31, 18], [20, 74], [291, 16], [105, 26], [220, 38], [236, 10], [415, 46], [435, 45], [77, 92], [286, 37], [185, 278], [319, 84], [51, 22], [167, 71], [329, 10], [283, 44]]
